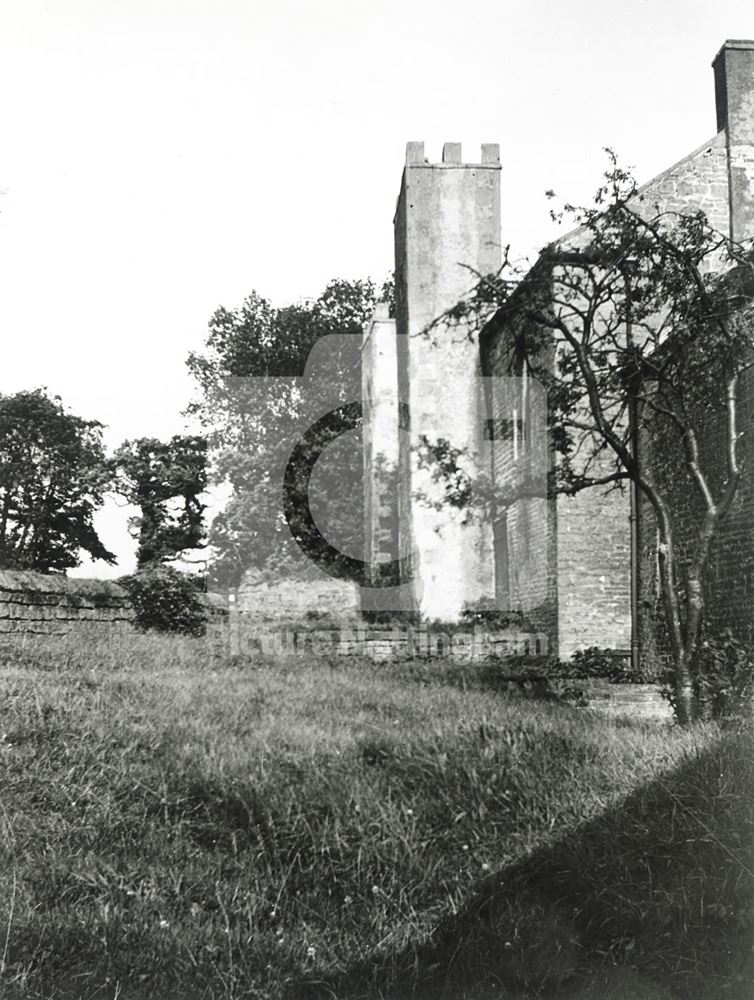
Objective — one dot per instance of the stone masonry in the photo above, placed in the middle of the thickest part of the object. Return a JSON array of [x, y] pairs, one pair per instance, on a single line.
[[55, 605], [565, 562], [447, 230]]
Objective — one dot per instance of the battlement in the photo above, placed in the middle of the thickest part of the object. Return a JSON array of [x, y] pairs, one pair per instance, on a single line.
[[452, 155]]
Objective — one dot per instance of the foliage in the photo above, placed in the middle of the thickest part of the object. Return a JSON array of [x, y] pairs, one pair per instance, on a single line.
[[724, 676], [639, 319], [606, 664], [53, 475], [166, 600], [251, 406], [152, 475], [444, 461], [485, 612]]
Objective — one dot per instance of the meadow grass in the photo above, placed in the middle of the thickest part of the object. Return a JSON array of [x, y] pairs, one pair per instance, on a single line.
[[178, 824]]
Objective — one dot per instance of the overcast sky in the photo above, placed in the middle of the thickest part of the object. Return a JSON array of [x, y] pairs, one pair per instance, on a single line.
[[163, 157]]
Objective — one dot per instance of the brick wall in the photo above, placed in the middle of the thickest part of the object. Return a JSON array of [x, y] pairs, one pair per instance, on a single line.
[[55, 605], [585, 540], [729, 582], [593, 549], [566, 560], [594, 560], [731, 577], [525, 534]]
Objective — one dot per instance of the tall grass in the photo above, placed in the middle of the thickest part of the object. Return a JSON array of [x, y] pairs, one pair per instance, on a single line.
[[178, 824]]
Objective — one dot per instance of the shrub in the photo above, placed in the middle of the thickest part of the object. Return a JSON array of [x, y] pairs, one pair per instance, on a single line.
[[485, 612], [724, 679], [606, 664], [166, 600]]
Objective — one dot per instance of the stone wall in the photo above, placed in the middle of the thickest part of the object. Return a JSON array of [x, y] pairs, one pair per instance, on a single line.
[[636, 701], [35, 603], [497, 653], [447, 227], [384, 643], [697, 182], [299, 600], [380, 436]]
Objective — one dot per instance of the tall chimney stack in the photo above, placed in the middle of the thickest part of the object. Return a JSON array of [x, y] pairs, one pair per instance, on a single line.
[[734, 99]]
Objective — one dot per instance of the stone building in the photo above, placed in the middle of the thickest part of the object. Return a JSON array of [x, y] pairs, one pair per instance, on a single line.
[[580, 568]]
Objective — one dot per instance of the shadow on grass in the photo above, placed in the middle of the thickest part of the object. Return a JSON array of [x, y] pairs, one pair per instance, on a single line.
[[653, 899]]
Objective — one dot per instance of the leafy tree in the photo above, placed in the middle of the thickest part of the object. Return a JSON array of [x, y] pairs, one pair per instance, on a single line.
[[53, 475], [165, 480], [249, 403], [639, 326]]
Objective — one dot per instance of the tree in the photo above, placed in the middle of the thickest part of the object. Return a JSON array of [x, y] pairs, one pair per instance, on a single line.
[[249, 405], [639, 326], [165, 480], [53, 475]]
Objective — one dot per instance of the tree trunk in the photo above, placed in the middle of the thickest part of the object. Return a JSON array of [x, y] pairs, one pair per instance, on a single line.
[[685, 700], [692, 632]]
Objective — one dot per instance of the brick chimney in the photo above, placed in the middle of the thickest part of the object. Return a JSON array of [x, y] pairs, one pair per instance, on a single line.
[[734, 99]]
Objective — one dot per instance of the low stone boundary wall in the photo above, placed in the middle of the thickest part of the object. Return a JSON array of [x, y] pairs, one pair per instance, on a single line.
[[278, 601], [242, 634], [635, 701], [247, 634], [639, 701], [37, 603]]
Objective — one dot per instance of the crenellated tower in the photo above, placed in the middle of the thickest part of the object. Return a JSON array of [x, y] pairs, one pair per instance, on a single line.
[[447, 233]]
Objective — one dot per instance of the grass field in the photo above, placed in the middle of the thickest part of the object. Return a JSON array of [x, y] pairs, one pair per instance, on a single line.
[[176, 826]]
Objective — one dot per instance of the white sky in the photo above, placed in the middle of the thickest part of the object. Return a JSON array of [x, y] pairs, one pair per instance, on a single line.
[[162, 157]]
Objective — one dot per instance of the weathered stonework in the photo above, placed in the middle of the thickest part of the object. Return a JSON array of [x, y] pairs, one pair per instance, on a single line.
[[380, 432], [697, 182], [32, 603], [380, 642], [297, 600], [447, 230]]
